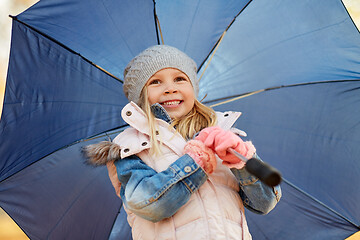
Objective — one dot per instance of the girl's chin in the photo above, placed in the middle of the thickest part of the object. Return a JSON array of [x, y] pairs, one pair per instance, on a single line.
[[177, 114]]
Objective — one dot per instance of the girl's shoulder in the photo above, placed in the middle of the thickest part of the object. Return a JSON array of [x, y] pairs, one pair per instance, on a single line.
[[129, 132]]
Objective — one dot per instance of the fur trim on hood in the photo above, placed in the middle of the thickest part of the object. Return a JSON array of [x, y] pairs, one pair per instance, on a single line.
[[99, 154]]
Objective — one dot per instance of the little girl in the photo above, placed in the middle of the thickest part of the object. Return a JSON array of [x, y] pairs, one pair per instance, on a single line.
[[171, 167]]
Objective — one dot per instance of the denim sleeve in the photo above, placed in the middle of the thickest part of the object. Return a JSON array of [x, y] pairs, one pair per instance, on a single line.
[[256, 196], [158, 195]]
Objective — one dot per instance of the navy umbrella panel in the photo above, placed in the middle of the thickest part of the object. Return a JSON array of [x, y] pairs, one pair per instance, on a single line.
[[60, 197], [104, 32], [314, 153], [299, 216], [64, 85], [275, 46], [50, 100], [196, 26]]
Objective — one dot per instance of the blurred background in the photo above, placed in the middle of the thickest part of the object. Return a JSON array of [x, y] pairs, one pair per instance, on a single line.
[[8, 228]]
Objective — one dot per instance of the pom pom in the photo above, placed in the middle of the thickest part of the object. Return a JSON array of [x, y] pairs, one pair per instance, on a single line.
[[101, 153]]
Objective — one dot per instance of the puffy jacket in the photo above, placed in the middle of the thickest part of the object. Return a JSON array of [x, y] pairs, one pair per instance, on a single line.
[[171, 197]]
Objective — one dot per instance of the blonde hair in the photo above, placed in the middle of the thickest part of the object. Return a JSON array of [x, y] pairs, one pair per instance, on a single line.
[[200, 116]]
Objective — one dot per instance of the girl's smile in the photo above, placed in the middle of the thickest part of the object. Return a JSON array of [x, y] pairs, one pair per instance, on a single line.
[[172, 89], [171, 103]]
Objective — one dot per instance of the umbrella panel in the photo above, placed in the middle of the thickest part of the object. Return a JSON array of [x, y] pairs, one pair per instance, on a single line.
[[53, 98], [107, 33], [275, 43], [60, 196], [310, 133]]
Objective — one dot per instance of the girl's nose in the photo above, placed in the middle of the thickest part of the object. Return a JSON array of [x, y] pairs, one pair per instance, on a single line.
[[170, 89]]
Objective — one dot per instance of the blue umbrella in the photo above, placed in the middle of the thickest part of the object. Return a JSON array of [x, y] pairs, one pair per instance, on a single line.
[[292, 68]]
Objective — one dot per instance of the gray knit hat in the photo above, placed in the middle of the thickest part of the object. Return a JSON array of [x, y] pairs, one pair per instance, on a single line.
[[152, 60]]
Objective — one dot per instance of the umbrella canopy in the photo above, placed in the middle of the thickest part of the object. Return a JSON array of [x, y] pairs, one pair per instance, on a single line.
[[301, 58]]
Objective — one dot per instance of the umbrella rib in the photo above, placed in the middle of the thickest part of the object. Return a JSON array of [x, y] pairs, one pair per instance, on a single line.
[[219, 40], [212, 55], [192, 24], [157, 26], [319, 202], [99, 135], [243, 95], [65, 47], [70, 207]]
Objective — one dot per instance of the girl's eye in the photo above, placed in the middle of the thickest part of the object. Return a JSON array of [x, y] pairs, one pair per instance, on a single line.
[[155, 81], [178, 79]]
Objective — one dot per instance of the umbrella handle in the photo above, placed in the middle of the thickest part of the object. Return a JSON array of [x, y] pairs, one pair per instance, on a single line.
[[266, 173]]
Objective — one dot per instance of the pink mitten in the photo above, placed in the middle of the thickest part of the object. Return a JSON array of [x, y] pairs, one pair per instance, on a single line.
[[207, 135], [231, 162], [202, 155], [227, 139]]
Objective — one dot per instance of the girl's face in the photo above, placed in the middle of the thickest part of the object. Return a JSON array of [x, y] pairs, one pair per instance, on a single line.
[[173, 90]]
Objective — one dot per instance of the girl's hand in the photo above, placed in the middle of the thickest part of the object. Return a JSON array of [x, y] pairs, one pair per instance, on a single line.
[[202, 155], [220, 140], [207, 136]]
